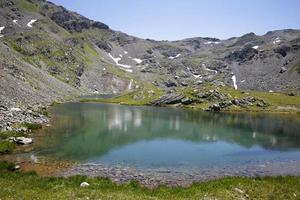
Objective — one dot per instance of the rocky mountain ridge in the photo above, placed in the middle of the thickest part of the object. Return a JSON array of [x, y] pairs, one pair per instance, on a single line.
[[50, 54]]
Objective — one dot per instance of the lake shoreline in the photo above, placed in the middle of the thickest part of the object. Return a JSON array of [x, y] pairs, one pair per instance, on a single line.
[[175, 177], [145, 181], [21, 185]]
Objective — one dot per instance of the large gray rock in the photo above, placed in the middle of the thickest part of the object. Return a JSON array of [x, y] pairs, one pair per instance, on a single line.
[[214, 108], [186, 101], [21, 140], [173, 98], [84, 184], [282, 70], [171, 83]]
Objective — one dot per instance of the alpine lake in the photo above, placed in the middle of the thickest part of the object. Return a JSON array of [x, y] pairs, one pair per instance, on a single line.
[[155, 145]]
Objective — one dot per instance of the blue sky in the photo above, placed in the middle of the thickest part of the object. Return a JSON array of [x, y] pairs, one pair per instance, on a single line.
[[178, 19]]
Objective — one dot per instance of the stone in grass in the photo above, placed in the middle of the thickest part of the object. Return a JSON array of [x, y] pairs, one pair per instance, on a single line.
[[17, 167], [84, 184], [239, 190]]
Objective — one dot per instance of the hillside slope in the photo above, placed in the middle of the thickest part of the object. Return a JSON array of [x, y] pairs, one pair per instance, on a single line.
[[49, 53]]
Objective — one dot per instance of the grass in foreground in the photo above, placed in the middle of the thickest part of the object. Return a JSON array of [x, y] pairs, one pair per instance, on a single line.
[[15, 185], [6, 147]]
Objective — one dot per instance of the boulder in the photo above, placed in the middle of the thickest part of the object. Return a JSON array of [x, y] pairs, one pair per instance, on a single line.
[[262, 103], [15, 110], [3, 108], [184, 84], [215, 108], [235, 102], [198, 82], [283, 50], [172, 98], [21, 140], [282, 70], [17, 167], [202, 95], [186, 101], [104, 45], [225, 104], [242, 55], [171, 83], [212, 95], [84, 184]]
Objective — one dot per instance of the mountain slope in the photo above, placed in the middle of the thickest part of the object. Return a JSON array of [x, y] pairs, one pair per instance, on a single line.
[[49, 53]]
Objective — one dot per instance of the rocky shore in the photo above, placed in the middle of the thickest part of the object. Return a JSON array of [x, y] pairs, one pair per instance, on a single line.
[[17, 122], [182, 177], [9, 116]]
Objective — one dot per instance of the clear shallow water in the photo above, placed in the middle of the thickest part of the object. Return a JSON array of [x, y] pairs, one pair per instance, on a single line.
[[156, 138]]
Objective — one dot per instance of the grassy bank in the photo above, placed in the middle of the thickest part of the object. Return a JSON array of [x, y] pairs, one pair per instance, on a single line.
[[277, 102], [30, 186], [8, 147], [139, 97]]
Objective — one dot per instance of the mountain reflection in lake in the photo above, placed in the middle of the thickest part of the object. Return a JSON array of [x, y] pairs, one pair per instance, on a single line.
[[164, 137]]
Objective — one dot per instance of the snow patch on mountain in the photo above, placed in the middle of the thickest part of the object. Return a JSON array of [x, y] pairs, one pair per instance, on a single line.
[[130, 85], [211, 42], [197, 76], [234, 82], [1, 29], [117, 60], [173, 57], [209, 70], [127, 70], [277, 40], [29, 24], [137, 60]]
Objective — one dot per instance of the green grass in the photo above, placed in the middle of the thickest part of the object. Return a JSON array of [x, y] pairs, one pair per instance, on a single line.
[[278, 102], [6, 147], [27, 6], [6, 166], [143, 96], [31, 126], [30, 186], [6, 134]]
